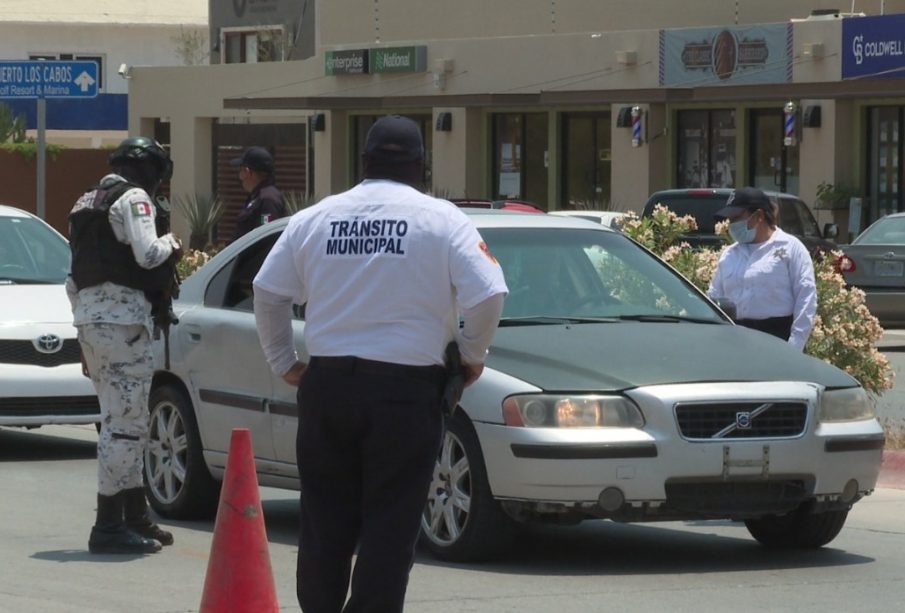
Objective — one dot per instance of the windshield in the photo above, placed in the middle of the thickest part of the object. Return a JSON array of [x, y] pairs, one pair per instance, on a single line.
[[887, 231], [575, 273], [30, 252]]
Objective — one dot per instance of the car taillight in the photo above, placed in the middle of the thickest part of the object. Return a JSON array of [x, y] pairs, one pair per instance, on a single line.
[[845, 265]]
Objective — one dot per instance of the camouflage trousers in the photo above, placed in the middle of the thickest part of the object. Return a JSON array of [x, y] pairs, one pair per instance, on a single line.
[[121, 366]]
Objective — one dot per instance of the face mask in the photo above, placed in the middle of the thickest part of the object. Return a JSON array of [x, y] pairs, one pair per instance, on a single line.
[[740, 231]]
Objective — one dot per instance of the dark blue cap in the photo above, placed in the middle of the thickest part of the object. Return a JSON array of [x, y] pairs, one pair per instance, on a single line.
[[395, 139], [256, 158]]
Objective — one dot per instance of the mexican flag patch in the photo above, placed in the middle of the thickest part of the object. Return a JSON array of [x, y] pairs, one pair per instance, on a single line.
[[141, 209]]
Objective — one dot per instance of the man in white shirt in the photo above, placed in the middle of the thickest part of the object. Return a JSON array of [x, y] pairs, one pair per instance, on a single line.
[[383, 271], [768, 274]]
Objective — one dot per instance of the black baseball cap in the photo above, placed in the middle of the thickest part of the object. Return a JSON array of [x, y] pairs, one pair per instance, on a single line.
[[396, 139], [256, 158], [743, 199]]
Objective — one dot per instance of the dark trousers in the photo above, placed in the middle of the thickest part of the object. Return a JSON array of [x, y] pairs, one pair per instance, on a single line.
[[366, 448], [780, 327]]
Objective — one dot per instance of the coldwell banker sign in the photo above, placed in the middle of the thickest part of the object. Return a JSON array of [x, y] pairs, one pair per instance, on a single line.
[[726, 56], [873, 47]]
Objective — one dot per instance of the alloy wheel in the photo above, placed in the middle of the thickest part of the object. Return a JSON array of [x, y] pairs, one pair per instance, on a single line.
[[449, 498], [165, 455]]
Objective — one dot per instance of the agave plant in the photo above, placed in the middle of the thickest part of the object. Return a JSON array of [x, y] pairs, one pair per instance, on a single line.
[[202, 211], [296, 201]]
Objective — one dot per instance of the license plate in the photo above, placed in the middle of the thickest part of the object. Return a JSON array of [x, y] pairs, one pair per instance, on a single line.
[[889, 269]]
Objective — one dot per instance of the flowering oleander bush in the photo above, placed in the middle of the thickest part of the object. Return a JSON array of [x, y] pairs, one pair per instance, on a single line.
[[844, 330], [192, 260]]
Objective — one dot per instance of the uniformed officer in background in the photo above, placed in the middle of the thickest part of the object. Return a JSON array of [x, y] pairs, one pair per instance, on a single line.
[[768, 274], [382, 268], [265, 202], [122, 268]]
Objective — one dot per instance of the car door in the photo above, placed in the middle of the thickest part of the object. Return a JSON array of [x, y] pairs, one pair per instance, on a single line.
[[283, 407], [224, 360]]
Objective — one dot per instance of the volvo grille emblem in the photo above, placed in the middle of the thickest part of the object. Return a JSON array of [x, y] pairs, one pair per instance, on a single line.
[[743, 420], [49, 343]]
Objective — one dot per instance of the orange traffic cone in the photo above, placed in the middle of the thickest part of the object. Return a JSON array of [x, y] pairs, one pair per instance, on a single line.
[[239, 578]]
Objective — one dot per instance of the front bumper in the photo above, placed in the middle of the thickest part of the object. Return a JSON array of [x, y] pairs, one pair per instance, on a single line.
[[657, 471], [36, 396]]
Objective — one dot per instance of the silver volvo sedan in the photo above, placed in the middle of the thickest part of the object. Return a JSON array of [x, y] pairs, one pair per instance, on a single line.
[[614, 389]]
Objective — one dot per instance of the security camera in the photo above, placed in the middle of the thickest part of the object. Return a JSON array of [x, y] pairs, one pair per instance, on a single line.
[[125, 71]]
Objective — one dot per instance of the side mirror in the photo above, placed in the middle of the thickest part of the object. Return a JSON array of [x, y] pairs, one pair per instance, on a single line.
[[830, 230], [727, 306]]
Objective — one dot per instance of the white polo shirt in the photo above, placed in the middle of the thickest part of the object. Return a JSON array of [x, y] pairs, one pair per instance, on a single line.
[[774, 278], [382, 268]]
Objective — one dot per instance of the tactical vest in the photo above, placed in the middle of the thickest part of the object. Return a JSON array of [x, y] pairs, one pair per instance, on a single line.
[[98, 257]]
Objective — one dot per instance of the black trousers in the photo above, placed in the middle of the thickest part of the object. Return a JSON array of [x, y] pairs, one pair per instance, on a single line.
[[780, 327], [368, 438]]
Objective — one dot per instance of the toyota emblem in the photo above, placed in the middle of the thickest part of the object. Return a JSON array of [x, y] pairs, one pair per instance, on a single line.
[[49, 343]]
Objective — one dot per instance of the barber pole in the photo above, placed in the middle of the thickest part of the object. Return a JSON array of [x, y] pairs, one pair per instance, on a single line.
[[637, 114], [789, 112]]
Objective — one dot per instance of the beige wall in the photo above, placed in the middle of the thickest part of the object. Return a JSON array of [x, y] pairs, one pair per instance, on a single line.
[[351, 22], [580, 69]]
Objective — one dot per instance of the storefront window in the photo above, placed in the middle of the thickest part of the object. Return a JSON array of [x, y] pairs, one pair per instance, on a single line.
[[886, 139], [706, 156], [586, 161], [360, 126], [520, 157]]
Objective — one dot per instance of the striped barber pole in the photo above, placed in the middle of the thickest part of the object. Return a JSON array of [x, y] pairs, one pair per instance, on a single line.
[[636, 126], [789, 112]]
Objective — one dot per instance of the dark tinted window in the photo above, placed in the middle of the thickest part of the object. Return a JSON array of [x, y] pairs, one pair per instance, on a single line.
[[789, 218], [702, 208], [809, 225]]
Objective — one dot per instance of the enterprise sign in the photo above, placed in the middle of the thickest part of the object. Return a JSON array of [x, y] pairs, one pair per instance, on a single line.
[[48, 79], [376, 61], [873, 47]]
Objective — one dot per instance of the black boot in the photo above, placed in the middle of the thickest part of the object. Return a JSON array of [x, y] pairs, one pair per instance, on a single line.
[[138, 517], [110, 534]]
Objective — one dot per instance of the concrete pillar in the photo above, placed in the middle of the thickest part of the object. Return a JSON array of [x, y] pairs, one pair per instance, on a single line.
[[829, 155], [331, 155], [190, 148], [459, 157], [639, 171]]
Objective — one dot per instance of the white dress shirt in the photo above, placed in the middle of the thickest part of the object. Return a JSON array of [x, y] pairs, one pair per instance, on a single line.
[[774, 278]]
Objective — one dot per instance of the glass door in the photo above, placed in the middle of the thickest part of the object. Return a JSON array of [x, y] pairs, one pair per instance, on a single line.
[[885, 161], [520, 157], [586, 161], [774, 167]]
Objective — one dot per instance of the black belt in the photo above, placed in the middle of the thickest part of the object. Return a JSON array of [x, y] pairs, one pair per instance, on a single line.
[[780, 327], [352, 364]]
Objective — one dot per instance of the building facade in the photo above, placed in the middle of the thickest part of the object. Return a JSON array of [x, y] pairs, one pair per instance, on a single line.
[[568, 104], [113, 34]]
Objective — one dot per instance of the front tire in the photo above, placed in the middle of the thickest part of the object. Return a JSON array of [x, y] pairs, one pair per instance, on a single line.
[[462, 522], [799, 529], [177, 481]]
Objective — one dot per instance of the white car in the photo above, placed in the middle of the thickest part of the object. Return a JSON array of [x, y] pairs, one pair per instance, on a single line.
[[610, 219], [41, 379], [613, 389]]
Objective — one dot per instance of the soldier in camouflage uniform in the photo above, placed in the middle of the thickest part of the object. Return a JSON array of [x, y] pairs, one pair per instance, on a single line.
[[121, 260]]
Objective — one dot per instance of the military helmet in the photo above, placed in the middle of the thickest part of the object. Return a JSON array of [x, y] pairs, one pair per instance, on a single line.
[[143, 150]]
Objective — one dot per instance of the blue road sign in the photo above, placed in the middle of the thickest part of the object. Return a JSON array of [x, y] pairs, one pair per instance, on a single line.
[[48, 79]]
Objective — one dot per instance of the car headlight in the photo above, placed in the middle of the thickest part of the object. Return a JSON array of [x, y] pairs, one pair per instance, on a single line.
[[562, 411], [850, 404]]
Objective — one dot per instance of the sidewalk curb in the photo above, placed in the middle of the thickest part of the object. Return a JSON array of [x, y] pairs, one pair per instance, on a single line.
[[892, 471]]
